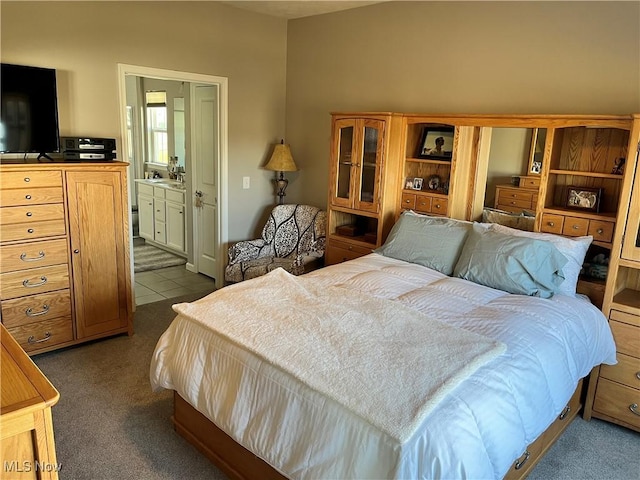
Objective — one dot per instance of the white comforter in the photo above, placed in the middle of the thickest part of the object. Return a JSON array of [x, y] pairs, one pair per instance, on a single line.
[[475, 432]]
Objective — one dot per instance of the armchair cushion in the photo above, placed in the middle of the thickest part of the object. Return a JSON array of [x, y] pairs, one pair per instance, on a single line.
[[293, 238]]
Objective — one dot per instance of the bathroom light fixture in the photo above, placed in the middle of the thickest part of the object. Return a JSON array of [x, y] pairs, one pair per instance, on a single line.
[[281, 161]]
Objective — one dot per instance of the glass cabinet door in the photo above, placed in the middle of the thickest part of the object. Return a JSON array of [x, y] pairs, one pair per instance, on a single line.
[[357, 156], [345, 135], [368, 165]]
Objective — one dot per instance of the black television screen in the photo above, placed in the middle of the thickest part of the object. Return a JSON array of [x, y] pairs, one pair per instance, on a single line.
[[28, 110]]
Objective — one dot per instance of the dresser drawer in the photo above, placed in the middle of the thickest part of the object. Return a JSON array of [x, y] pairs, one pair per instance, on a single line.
[[35, 230], [31, 214], [423, 204], [44, 334], [35, 308], [337, 251], [627, 371], [33, 281], [439, 206], [515, 198], [30, 196], [552, 223], [32, 255], [601, 231], [409, 201], [618, 401], [530, 182], [575, 227], [174, 196], [33, 179], [627, 338]]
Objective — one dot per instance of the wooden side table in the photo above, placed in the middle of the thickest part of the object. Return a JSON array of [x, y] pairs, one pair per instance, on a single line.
[[27, 448]]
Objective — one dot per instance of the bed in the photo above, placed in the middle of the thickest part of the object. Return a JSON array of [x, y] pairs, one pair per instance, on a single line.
[[381, 367]]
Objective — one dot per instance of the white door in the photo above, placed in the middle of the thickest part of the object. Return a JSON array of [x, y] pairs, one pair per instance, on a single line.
[[206, 158]]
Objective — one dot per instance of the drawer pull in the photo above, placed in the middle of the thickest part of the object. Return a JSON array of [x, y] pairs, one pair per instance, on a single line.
[[437, 205], [29, 214], [564, 412], [28, 197], [27, 179], [575, 227], [30, 313], [600, 231], [634, 409], [522, 460], [32, 339], [29, 230], [32, 285], [24, 258], [638, 375], [551, 224], [407, 201]]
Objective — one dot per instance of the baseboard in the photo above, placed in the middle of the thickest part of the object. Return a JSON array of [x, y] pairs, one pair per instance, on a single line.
[[191, 267]]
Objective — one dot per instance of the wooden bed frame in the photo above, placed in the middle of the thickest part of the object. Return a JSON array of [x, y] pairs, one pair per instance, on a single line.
[[240, 464]]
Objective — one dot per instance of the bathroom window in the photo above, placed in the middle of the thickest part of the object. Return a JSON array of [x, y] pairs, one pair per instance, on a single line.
[[158, 144]]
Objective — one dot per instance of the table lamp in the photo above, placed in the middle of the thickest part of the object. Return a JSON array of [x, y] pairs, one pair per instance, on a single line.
[[281, 161]]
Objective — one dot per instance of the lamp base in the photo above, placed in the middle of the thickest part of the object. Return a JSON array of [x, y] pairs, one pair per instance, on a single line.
[[281, 185]]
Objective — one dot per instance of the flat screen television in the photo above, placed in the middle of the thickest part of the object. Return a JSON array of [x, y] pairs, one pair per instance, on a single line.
[[28, 110]]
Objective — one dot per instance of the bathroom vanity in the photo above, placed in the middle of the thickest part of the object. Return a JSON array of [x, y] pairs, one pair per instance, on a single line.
[[161, 213]]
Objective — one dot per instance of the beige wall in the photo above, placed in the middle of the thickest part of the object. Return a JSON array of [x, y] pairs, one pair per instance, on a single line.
[[84, 42], [458, 57]]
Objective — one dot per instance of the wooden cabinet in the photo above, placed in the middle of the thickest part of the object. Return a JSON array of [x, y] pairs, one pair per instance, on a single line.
[[27, 446], [99, 244], [614, 391], [161, 212], [363, 182], [64, 275]]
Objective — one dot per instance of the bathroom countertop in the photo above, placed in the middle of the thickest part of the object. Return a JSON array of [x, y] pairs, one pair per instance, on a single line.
[[163, 183]]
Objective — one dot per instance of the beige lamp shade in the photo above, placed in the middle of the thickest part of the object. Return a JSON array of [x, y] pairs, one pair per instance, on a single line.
[[281, 159]]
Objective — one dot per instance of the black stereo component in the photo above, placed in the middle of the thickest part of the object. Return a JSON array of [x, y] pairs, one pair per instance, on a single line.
[[88, 156], [80, 144], [85, 149]]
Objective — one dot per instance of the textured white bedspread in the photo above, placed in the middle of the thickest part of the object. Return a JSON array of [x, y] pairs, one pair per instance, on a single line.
[[366, 353], [477, 431]]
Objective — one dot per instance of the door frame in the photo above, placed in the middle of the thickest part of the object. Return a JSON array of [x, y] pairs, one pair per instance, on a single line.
[[223, 164]]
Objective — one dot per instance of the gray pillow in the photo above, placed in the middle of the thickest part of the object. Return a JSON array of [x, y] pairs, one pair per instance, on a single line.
[[434, 242], [513, 264]]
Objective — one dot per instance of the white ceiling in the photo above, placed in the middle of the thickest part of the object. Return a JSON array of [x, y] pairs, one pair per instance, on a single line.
[[300, 8]]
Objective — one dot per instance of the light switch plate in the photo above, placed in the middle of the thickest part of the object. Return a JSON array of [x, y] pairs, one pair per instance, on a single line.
[[246, 183]]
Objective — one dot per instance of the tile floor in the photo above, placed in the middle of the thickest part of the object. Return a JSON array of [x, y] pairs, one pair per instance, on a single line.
[[155, 285]]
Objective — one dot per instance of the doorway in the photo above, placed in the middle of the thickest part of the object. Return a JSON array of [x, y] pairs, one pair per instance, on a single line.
[[205, 162]]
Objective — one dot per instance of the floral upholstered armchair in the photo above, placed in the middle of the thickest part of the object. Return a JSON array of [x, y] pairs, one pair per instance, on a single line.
[[293, 238]]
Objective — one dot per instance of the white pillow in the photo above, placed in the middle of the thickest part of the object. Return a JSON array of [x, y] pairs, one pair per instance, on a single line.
[[574, 248]]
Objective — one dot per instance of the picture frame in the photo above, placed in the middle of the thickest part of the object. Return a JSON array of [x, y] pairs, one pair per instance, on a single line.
[[436, 143], [584, 198], [417, 183], [408, 183]]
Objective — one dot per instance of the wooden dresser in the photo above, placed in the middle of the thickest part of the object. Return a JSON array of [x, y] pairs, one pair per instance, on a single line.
[[27, 447], [516, 199], [64, 253]]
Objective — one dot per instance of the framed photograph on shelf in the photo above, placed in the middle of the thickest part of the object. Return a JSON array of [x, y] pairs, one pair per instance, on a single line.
[[436, 143], [408, 183], [417, 183], [584, 198]]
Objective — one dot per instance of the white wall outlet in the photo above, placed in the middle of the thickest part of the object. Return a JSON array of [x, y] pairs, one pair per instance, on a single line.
[[246, 183]]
